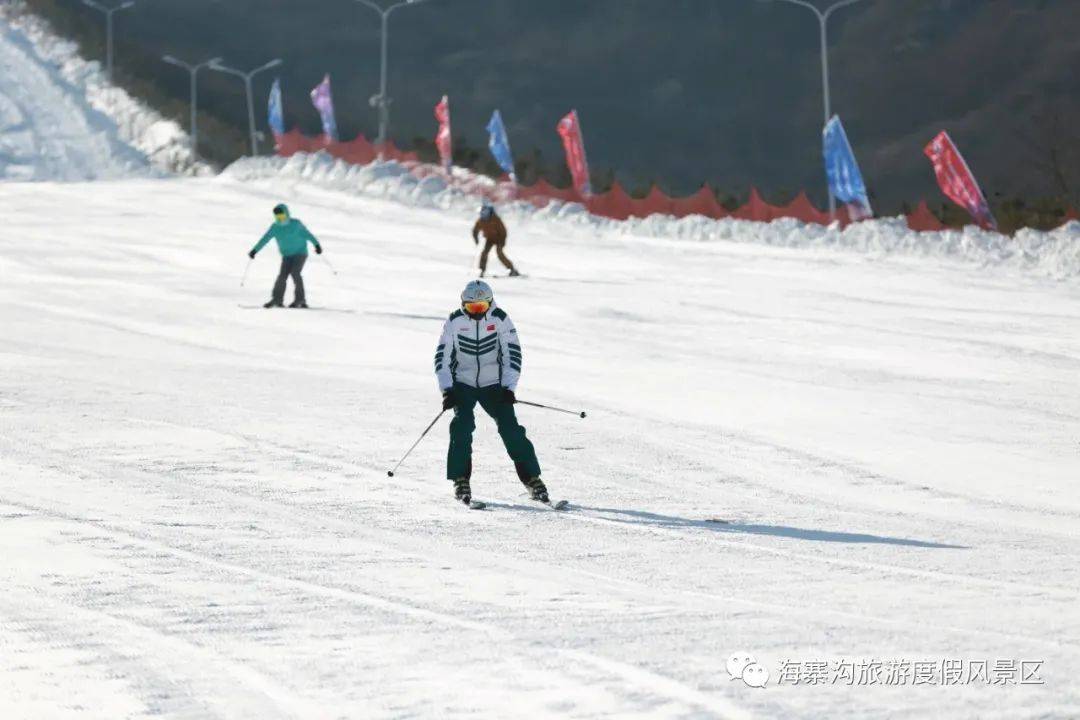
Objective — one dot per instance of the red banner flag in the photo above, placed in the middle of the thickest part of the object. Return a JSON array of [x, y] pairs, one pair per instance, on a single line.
[[442, 139], [570, 130], [956, 180]]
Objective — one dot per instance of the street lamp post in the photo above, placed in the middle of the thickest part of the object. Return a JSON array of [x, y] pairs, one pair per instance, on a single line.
[[193, 71], [823, 21], [247, 77], [381, 101], [108, 12]]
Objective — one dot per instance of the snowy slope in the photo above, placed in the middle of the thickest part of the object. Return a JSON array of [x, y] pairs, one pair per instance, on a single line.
[[196, 521], [59, 120]]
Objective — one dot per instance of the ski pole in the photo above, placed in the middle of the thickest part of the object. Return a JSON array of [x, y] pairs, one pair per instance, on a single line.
[[328, 264], [246, 268], [547, 407], [390, 473]]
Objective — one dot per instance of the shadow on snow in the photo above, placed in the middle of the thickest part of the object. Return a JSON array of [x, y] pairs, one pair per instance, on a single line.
[[638, 517]]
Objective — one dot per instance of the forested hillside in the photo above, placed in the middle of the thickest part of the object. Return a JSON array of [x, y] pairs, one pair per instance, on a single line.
[[673, 91]]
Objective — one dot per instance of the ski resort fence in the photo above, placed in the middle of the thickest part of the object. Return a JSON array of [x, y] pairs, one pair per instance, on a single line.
[[616, 203]]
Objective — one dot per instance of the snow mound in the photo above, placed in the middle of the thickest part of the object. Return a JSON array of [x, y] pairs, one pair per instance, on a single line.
[[389, 180], [61, 120], [1053, 254]]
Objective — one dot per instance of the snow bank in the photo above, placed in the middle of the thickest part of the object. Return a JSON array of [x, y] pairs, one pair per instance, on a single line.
[[163, 143], [1054, 254]]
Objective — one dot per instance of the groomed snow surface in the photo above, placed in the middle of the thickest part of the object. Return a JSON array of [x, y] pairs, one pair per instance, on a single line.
[[804, 445], [196, 521]]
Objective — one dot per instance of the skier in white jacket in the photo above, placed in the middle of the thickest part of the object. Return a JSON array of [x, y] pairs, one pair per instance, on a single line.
[[478, 360]]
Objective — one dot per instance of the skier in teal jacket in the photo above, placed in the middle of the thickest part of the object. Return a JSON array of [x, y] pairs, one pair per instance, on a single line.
[[292, 239]]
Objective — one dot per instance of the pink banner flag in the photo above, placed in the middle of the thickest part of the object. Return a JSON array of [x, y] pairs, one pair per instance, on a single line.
[[442, 139], [570, 130], [956, 180], [323, 100]]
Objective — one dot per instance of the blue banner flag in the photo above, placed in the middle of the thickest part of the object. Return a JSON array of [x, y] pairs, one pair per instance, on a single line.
[[276, 118], [500, 144], [845, 180], [323, 101]]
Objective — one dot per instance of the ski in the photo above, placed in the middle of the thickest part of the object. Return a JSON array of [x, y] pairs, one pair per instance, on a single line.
[[476, 505], [555, 505]]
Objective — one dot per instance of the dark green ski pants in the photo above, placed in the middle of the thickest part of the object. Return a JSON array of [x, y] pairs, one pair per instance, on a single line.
[[518, 446]]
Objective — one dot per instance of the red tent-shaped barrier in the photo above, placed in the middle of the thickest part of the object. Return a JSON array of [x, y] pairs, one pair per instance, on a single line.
[[614, 204], [526, 192], [802, 209], [543, 187], [922, 220], [539, 193], [392, 152], [655, 203], [755, 209], [534, 193], [703, 202], [294, 141], [360, 151]]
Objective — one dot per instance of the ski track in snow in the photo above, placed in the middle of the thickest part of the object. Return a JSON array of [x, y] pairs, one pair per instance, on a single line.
[[194, 504]]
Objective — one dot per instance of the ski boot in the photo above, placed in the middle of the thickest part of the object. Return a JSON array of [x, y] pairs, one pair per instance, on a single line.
[[514, 273], [298, 304], [537, 490], [272, 304], [462, 491]]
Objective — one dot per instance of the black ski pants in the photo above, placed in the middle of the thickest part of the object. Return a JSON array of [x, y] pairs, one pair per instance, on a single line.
[[290, 267]]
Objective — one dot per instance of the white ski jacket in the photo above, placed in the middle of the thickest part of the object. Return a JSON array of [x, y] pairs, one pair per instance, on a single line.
[[478, 353]]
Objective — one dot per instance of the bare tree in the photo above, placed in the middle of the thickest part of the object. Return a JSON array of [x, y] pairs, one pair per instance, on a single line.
[[1053, 138]]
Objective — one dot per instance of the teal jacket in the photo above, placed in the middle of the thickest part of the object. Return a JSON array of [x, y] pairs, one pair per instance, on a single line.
[[292, 238]]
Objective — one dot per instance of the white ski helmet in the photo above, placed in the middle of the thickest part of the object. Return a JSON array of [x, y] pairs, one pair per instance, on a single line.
[[477, 291]]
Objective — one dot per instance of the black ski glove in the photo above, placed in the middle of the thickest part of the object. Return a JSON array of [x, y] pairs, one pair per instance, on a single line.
[[318, 249], [448, 399], [508, 396], [251, 254]]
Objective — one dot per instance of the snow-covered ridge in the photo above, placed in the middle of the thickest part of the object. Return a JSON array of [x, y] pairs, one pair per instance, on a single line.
[[1053, 254], [49, 71]]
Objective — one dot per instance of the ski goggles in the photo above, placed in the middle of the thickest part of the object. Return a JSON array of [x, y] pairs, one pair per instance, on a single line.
[[477, 307]]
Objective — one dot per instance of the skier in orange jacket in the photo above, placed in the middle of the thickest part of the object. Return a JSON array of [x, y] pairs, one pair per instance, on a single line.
[[491, 225]]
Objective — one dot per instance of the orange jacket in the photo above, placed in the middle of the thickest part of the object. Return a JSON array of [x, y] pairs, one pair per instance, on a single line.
[[493, 229]]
